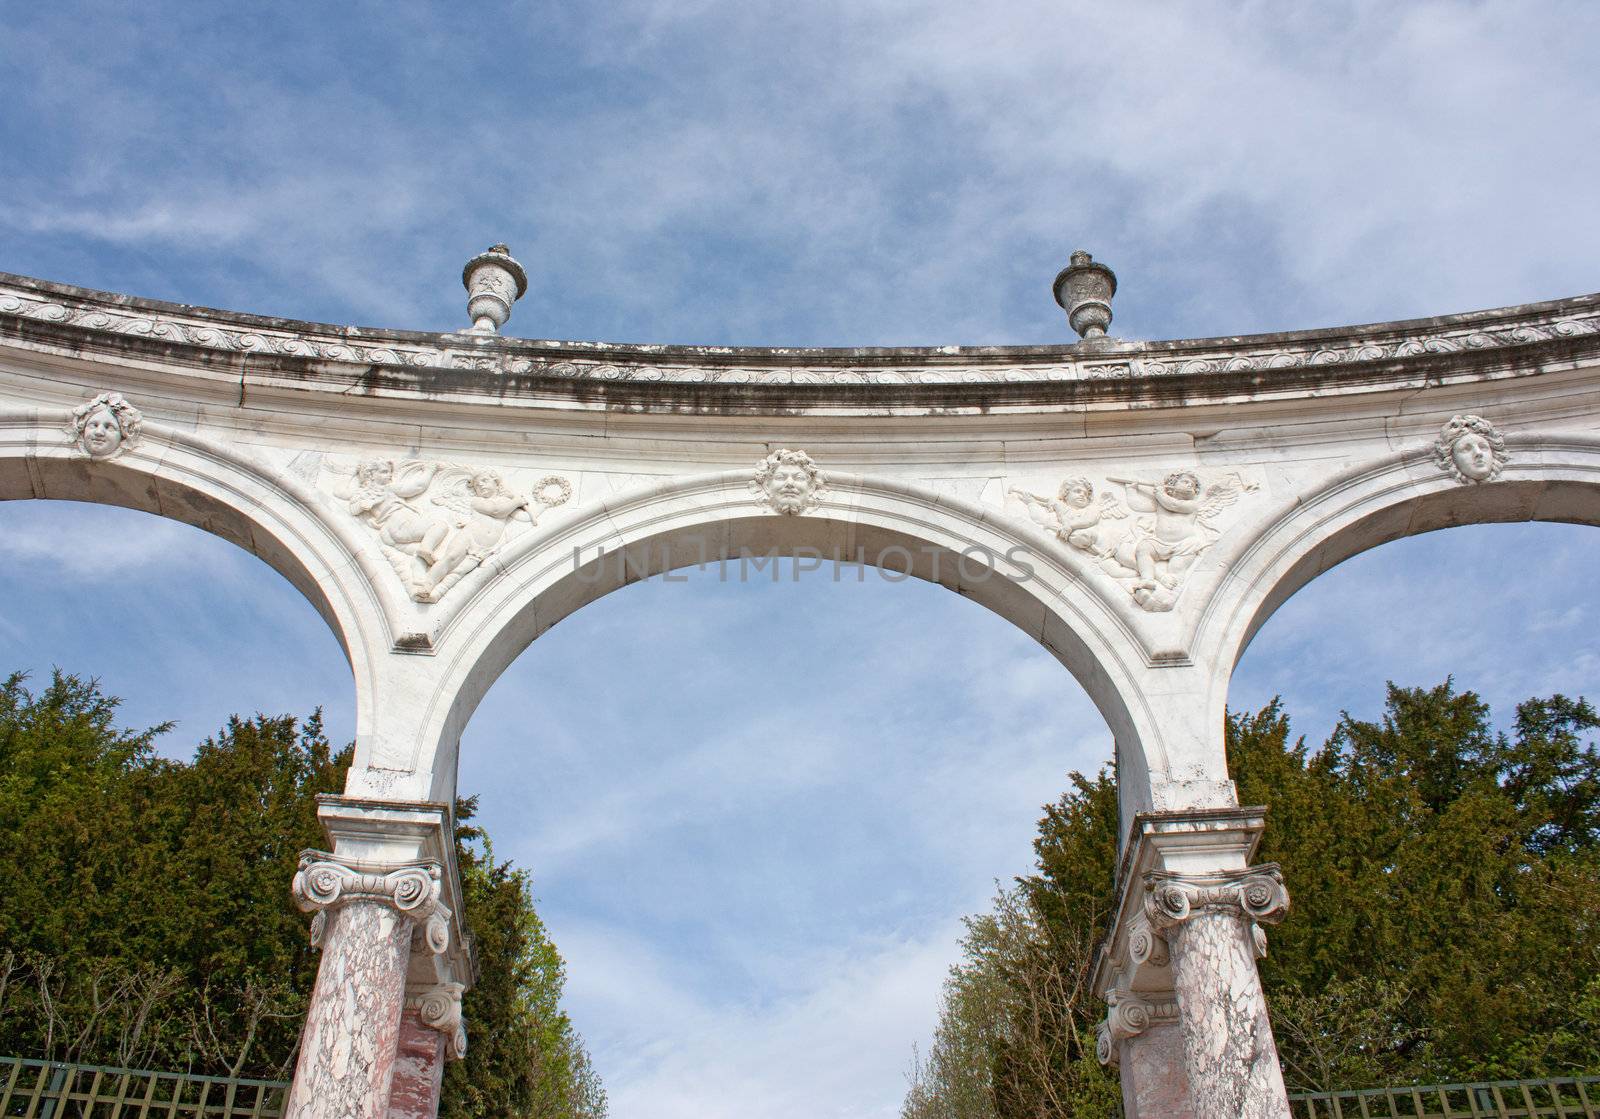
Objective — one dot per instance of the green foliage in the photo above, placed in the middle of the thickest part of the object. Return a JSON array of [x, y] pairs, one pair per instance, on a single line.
[[1016, 1026], [1446, 922], [526, 1059], [150, 923], [1446, 884], [147, 920]]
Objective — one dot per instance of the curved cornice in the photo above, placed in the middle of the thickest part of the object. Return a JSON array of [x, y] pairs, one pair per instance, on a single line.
[[412, 364]]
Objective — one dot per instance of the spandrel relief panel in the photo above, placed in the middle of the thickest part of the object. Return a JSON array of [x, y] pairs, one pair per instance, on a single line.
[[438, 521], [1144, 532]]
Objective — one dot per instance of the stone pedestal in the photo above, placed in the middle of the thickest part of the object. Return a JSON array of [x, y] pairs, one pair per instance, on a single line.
[[1187, 1021]]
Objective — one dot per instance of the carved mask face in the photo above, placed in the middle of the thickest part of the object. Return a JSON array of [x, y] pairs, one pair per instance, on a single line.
[[788, 488], [1473, 456], [102, 435]]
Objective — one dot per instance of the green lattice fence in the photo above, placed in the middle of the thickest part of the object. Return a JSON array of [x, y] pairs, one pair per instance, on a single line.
[[52, 1090], [1559, 1098]]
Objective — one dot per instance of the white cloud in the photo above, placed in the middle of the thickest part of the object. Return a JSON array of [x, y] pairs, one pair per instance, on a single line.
[[754, 816], [837, 1045]]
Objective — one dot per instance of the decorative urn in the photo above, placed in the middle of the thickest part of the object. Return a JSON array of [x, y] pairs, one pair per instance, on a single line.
[[1084, 290], [494, 282]]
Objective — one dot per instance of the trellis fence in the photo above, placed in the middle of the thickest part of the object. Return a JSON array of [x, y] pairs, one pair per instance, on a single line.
[[1558, 1098], [53, 1090]]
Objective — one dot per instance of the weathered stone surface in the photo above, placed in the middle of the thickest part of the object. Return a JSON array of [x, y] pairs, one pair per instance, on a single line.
[[1155, 1080], [347, 1050], [443, 499]]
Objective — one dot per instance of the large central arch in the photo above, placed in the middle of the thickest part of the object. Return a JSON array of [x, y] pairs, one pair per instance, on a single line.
[[706, 520]]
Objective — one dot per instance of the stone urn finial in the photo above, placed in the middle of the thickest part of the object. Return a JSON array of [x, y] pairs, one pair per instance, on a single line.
[[494, 282], [1084, 290]]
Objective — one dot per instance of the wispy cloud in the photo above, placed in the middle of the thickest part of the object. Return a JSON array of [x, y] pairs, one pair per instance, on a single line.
[[836, 173]]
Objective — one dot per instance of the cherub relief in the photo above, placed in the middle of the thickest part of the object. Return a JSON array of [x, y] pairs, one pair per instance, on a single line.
[[468, 512], [105, 426], [1163, 547], [1075, 517], [1149, 555]]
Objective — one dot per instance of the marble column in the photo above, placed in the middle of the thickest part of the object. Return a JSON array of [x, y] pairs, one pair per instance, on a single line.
[[1211, 923], [366, 917], [1142, 1040], [431, 1032], [418, 1070]]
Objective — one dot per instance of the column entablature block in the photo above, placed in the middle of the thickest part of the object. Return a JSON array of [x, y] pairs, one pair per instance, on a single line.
[[1194, 844]]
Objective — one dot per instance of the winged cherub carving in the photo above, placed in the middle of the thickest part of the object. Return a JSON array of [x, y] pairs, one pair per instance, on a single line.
[[1162, 548], [1075, 518], [468, 512]]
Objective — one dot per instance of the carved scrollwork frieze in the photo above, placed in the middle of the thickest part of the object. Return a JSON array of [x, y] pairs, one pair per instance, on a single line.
[[325, 882], [445, 352], [439, 1007]]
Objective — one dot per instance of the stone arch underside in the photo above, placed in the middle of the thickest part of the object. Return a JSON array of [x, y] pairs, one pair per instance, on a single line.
[[710, 520], [185, 478], [1551, 478]]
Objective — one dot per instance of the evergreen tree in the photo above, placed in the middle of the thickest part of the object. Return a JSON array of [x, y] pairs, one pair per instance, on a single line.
[[147, 920], [1446, 924]]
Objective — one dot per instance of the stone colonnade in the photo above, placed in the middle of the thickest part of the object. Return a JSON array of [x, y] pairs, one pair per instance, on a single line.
[[1138, 508]]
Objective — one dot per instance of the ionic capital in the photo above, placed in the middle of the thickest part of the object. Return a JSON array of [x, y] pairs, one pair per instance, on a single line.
[[1128, 1015], [326, 881], [1146, 946], [1256, 893], [439, 1007]]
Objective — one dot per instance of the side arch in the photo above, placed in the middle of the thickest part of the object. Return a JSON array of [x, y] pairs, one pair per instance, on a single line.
[[1548, 478], [1009, 567], [185, 477]]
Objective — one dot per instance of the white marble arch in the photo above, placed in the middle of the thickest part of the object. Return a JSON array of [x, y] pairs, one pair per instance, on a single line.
[[710, 518], [209, 484], [334, 453], [1552, 476]]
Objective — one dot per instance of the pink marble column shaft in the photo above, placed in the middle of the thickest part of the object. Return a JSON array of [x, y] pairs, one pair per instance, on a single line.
[[347, 1050], [418, 1069], [1155, 1077], [1231, 1058]]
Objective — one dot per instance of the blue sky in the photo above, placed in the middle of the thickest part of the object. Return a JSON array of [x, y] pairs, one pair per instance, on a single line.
[[756, 813]]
